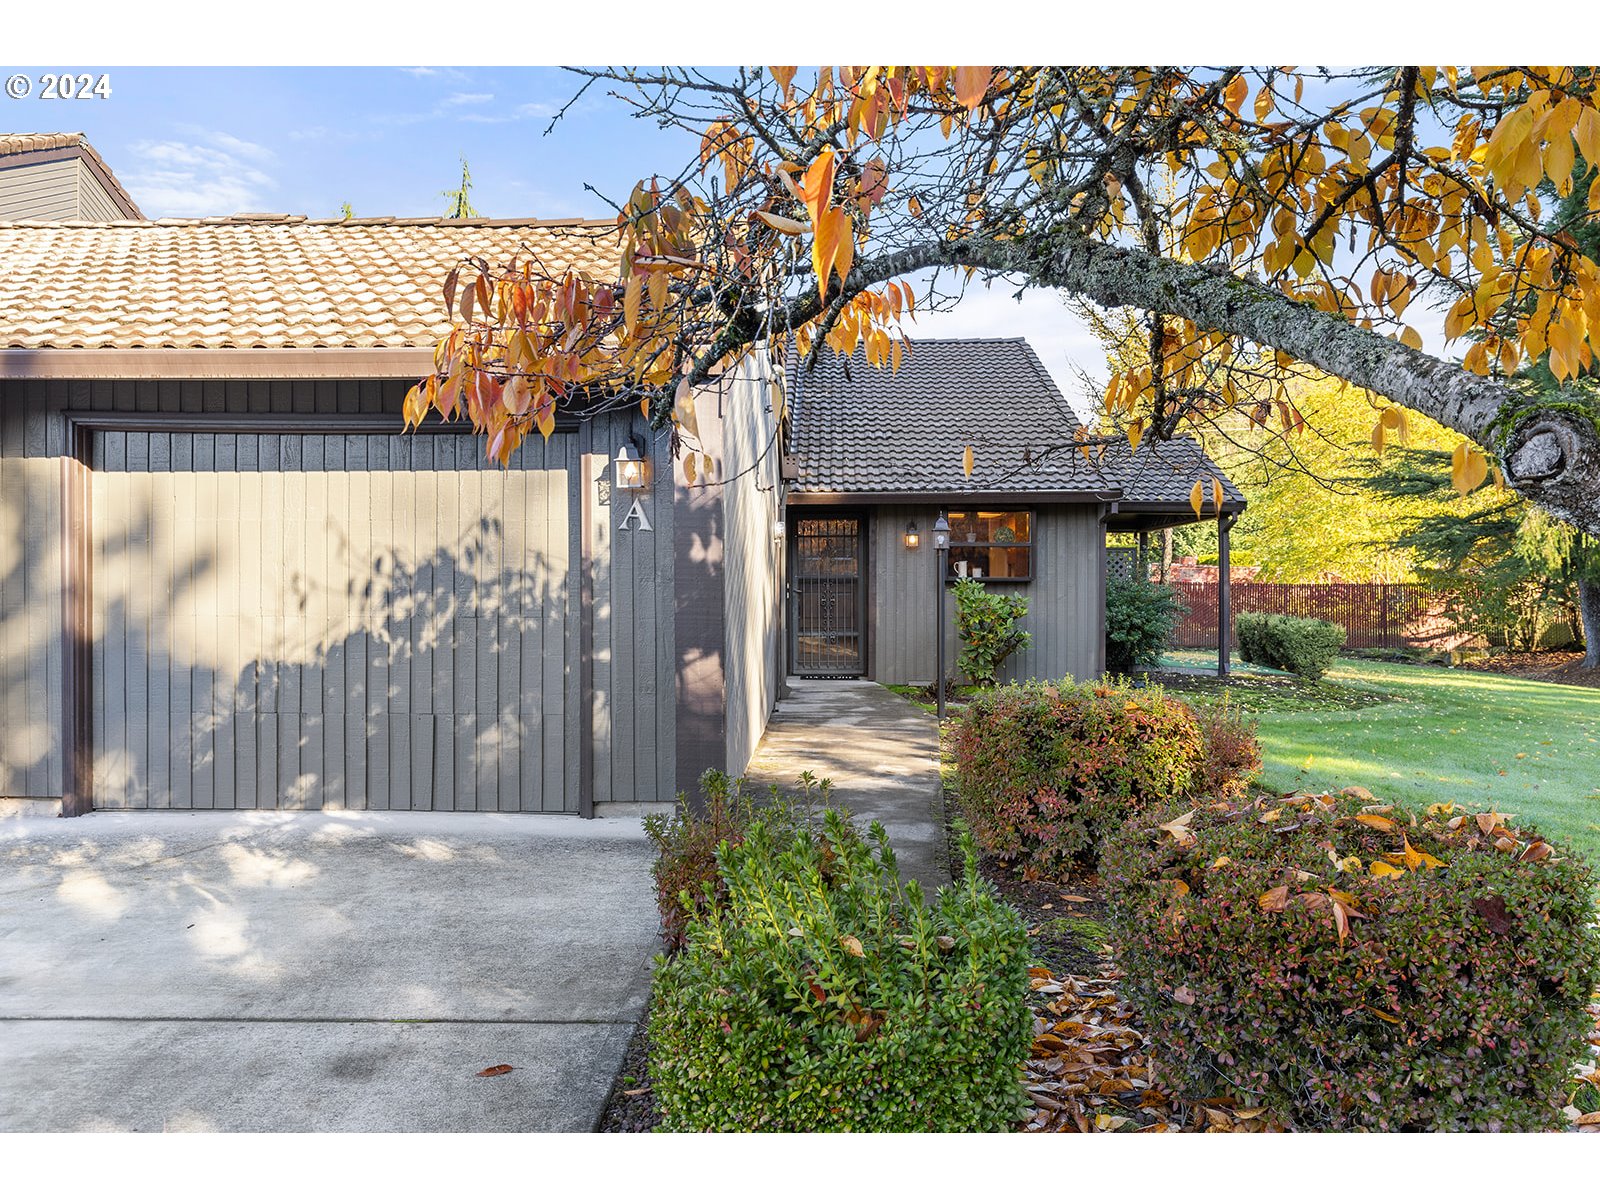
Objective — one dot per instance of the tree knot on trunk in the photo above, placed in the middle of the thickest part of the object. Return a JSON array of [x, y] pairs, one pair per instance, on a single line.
[[1540, 456]]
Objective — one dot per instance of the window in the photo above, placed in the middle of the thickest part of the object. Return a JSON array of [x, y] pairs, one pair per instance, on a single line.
[[991, 545]]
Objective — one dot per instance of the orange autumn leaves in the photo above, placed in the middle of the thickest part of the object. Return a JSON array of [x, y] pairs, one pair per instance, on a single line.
[[524, 340]]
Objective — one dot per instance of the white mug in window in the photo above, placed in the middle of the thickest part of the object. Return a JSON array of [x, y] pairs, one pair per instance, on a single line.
[[961, 568]]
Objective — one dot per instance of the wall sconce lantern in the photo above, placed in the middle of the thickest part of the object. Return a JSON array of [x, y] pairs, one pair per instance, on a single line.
[[632, 474], [913, 538]]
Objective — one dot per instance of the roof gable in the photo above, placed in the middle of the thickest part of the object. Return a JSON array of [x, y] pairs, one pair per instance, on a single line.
[[860, 430], [19, 151]]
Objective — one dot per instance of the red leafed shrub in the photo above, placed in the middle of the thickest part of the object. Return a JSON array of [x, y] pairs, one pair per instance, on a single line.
[[1230, 757], [1349, 965], [1045, 771]]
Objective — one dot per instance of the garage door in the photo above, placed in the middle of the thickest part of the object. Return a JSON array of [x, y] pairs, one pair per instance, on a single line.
[[311, 621]]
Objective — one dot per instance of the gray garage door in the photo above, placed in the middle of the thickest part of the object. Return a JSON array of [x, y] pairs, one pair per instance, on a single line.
[[296, 621]]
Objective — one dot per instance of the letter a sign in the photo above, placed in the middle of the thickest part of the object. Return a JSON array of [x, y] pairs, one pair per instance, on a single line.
[[636, 513]]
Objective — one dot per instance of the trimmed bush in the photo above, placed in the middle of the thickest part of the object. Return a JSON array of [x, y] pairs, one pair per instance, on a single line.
[[1350, 965], [1045, 771], [826, 996], [1304, 645], [986, 622], [686, 843], [1140, 618]]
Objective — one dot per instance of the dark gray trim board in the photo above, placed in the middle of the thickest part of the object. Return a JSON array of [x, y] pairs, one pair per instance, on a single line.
[[174, 363], [96, 421], [856, 499]]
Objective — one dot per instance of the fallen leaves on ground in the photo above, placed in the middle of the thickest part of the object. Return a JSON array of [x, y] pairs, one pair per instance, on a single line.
[[1091, 1072], [501, 1069], [1586, 1081], [1090, 1069]]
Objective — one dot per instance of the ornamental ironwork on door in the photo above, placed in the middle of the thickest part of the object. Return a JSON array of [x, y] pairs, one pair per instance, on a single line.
[[827, 587]]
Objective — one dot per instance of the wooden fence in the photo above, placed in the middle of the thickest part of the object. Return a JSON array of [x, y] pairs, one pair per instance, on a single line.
[[1385, 616]]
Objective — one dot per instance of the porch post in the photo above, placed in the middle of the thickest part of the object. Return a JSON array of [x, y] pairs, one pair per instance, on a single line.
[[1224, 597]]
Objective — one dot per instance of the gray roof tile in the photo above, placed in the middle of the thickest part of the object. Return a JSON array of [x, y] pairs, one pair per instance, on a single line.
[[858, 429]]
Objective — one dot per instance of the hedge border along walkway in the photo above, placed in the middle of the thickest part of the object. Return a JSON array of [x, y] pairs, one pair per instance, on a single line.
[[1091, 1069]]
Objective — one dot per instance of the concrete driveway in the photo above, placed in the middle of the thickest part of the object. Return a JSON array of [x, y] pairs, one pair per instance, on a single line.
[[318, 971]]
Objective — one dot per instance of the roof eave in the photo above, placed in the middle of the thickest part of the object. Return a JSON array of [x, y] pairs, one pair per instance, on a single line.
[[382, 362], [973, 496]]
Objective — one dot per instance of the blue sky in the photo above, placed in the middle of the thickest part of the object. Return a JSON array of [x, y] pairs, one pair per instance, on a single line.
[[203, 141]]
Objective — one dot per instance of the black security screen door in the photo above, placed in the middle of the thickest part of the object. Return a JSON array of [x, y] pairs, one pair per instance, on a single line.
[[827, 581]]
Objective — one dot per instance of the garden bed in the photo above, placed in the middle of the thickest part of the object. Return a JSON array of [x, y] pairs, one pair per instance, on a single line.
[[1545, 666]]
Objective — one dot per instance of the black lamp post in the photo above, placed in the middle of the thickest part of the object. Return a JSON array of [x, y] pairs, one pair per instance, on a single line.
[[941, 543]]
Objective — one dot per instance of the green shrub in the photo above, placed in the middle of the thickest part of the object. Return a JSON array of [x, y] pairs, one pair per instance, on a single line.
[[1304, 645], [1140, 618], [1045, 771], [827, 996], [685, 869], [1272, 965], [987, 625]]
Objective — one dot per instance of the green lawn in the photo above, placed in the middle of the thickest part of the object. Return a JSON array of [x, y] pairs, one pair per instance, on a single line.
[[1420, 734]]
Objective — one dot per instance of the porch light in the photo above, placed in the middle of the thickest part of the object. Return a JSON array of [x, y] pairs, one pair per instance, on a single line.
[[913, 538], [632, 474], [941, 533]]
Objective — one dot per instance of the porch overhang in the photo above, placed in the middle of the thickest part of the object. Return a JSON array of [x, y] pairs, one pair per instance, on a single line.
[[1147, 517]]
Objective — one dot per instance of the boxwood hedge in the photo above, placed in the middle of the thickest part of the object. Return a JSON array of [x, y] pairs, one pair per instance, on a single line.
[[1304, 645], [1351, 965], [826, 996]]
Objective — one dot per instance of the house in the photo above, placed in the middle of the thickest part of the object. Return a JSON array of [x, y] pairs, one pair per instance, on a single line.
[[876, 458], [59, 177], [228, 580]]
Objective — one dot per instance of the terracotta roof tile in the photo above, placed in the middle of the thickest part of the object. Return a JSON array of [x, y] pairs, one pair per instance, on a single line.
[[23, 143], [223, 283], [862, 429]]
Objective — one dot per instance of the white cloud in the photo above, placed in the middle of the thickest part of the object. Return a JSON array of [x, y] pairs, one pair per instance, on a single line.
[[459, 98], [519, 113], [214, 176], [240, 147], [449, 73]]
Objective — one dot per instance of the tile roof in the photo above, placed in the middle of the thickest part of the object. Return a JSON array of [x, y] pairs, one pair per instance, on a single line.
[[22, 143], [27, 143], [258, 280], [865, 430]]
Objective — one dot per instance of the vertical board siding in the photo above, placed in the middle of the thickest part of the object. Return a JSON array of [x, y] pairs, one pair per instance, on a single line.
[[1065, 600], [280, 582], [30, 606], [348, 621], [633, 629], [754, 637]]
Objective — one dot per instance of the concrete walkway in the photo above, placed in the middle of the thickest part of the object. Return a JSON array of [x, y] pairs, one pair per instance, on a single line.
[[318, 971], [882, 753]]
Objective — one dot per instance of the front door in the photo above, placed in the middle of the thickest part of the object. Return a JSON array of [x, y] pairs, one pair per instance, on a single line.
[[829, 609]]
